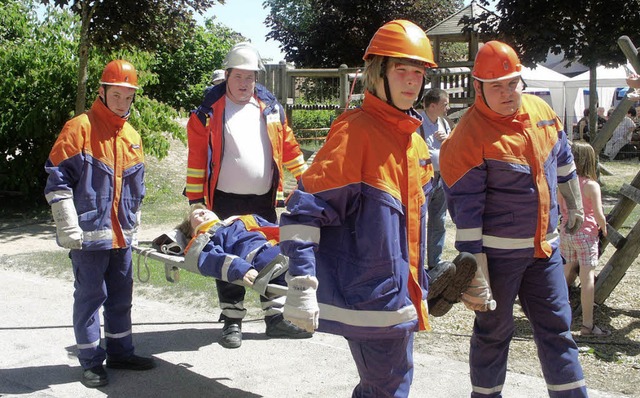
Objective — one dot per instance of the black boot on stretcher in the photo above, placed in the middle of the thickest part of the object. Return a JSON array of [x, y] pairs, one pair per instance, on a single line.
[[447, 282]]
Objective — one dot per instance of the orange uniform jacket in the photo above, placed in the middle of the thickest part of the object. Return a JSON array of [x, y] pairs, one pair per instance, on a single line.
[[357, 222], [205, 132], [97, 161]]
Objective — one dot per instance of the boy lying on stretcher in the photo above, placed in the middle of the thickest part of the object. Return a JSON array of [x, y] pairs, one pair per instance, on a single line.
[[240, 247], [233, 249]]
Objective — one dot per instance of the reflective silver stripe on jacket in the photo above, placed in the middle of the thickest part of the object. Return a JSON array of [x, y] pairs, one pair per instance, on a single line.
[[367, 318], [301, 233]]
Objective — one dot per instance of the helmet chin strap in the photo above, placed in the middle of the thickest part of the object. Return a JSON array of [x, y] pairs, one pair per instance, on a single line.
[[387, 93], [484, 99]]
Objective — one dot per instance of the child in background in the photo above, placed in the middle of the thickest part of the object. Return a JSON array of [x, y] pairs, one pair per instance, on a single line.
[[580, 250]]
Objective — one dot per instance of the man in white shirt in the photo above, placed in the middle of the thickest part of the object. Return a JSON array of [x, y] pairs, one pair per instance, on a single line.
[[239, 142]]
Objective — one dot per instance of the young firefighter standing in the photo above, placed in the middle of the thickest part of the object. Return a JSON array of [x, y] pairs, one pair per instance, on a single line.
[[95, 188], [355, 227], [239, 142], [503, 166]]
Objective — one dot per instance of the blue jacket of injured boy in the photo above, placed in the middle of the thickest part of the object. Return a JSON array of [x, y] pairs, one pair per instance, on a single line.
[[233, 249]]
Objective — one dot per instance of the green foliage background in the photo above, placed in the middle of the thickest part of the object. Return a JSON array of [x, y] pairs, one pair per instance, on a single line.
[[38, 85], [186, 72], [39, 63]]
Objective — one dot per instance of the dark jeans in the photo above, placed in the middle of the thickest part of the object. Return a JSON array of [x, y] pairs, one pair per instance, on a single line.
[[230, 204]]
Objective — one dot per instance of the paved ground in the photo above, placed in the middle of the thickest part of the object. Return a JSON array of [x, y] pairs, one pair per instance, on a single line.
[[38, 351]]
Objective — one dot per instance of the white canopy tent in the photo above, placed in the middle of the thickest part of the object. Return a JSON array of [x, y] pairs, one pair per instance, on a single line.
[[543, 78], [607, 81]]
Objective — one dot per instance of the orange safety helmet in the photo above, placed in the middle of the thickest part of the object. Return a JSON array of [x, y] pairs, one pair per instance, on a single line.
[[120, 73], [496, 61], [401, 39]]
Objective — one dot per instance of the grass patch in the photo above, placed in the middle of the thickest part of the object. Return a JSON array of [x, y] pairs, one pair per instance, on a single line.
[[622, 172]]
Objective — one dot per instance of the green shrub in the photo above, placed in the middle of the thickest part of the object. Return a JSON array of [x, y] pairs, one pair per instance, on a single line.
[[155, 121], [38, 89], [307, 125], [39, 62]]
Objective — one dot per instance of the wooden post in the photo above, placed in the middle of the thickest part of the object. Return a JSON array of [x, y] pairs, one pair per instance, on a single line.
[[601, 138], [283, 84], [617, 266], [627, 249], [603, 135], [630, 51], [622, 209], [344, 85]]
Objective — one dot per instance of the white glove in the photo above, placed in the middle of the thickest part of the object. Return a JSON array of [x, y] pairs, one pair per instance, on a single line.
[[68, 231], [301, 305], [136, 229], [478, 296], [574, 221], [570, 192]]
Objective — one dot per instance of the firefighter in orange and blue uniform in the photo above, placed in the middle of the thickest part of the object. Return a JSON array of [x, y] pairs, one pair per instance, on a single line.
[[239, 142], [95, 188], [503, 167], [354, 229]]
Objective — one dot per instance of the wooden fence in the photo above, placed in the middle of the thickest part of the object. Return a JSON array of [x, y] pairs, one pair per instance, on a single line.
[[284, 82]]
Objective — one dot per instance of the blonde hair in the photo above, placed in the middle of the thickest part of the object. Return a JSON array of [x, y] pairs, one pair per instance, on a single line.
[[584, 158], [185, 226], [373, 72]]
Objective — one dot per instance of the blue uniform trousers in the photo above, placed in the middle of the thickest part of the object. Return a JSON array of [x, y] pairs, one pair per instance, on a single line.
[[102, 279], [385, 367], [542, 289], [437, 212]]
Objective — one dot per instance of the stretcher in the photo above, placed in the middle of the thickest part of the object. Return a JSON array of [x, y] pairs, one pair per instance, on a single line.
[[168, 249]]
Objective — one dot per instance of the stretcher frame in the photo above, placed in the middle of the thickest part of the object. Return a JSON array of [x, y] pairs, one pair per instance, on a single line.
[[174, 263]]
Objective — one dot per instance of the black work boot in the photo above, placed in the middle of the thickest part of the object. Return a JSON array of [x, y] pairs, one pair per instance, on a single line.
[[94, 377], [440, 277], [231, 333], [439, 306], [465, 271], [278, 327], [447, 293]]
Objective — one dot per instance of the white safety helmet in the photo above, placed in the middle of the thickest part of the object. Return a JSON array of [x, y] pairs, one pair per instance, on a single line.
[[217, 77], [243, 56]]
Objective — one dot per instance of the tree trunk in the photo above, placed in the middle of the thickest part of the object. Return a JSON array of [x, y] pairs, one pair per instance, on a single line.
[[593, 102], [86, 11]]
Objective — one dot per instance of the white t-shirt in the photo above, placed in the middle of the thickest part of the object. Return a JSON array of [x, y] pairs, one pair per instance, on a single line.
[[247, 166]]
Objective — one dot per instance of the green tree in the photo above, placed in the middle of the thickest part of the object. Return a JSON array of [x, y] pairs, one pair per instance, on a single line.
[[183, 73], [327, 33], [117, 24], [585, 30], [38, 64], [38, 68]]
